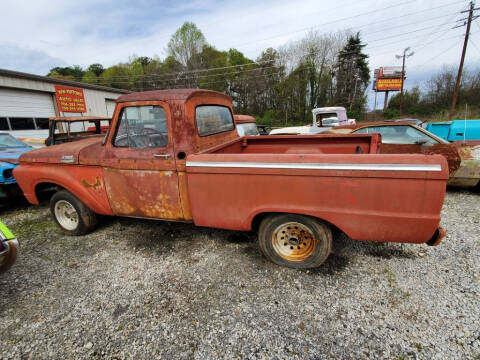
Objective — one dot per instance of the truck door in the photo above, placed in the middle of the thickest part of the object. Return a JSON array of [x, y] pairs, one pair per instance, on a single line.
[[140, 175]]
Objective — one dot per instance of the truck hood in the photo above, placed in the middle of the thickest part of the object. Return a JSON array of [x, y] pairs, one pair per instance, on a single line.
[[67, 153]]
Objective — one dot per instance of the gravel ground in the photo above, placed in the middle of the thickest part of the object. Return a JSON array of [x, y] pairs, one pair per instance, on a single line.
[[145, 290]]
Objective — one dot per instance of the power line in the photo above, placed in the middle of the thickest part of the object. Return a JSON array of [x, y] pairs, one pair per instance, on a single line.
[[184, 73], [340, 20]]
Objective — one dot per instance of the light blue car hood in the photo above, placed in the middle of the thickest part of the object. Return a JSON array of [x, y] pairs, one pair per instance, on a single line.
[[11, 155]]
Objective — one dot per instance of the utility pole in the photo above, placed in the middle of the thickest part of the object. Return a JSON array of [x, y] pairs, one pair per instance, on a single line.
[[462, 59], [404, 56]]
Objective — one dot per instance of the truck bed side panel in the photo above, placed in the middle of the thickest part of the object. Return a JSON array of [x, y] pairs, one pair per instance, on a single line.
[[378, 205]]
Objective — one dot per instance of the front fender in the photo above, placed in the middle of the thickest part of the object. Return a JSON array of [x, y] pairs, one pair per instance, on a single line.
[[85, 182]]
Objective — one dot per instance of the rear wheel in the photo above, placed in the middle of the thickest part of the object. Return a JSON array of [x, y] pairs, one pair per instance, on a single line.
[[295, 241], [72, 215]]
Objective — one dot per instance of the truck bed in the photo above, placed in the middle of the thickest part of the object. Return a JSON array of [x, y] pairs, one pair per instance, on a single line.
[[312, 144], [377, 197]]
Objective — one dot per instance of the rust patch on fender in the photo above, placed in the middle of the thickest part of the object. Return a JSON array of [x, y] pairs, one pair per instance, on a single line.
[[96, 185]]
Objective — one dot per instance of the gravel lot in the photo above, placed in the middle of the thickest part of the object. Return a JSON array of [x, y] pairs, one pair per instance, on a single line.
[[145, 289]]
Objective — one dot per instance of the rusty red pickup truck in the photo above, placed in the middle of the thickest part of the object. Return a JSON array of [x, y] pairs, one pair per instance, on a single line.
[[175, 155]]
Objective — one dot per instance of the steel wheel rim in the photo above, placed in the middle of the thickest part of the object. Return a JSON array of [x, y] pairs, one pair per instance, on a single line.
[[66, 215], [294, 241]]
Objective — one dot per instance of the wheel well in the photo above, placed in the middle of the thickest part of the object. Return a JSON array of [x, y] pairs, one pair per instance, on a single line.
[[257, 220], [44, 191]]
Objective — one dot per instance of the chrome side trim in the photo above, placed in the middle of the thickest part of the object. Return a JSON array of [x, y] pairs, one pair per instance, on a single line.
[[359, 167]]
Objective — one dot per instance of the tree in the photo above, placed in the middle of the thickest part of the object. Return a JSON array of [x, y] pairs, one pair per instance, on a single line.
[[96, 68], [69, 72], [90, 77], [185, 44], [352, 76]]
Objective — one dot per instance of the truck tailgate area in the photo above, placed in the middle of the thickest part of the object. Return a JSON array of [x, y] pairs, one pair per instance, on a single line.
[[394, 198]]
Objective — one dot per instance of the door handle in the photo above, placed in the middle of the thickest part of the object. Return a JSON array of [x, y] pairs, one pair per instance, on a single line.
[[165, 156]]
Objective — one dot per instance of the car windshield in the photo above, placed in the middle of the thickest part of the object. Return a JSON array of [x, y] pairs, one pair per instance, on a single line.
[[399, 134], [8, 141]]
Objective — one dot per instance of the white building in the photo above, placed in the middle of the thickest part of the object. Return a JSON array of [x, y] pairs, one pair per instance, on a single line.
[[27, 101]]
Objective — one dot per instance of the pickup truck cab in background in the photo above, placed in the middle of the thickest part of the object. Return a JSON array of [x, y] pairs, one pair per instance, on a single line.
[[323, 120], [246, 125], [175, 155]]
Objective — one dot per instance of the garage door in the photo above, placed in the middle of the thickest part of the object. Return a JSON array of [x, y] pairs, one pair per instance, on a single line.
[[110, 105], [20, 103]]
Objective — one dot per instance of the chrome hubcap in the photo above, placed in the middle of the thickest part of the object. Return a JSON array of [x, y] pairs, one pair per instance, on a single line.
[[66, 215]]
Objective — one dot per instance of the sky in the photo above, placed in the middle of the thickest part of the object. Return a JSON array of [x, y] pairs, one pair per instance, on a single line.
[[38, 35]]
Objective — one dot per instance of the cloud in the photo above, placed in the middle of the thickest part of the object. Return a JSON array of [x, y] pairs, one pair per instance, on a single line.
[[13, 57], [108, 31]]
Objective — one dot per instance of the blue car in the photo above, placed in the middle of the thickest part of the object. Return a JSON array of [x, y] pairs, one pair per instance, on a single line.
[[10, 150], [456, 130]]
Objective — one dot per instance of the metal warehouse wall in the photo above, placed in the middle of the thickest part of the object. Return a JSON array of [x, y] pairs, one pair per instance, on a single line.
[[97, 100]]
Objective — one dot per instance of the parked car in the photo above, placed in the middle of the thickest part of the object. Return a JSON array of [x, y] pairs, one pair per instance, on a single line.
[[456, 130], [63, 129], [407, 138], [8, 248], [175, 155], [10, 149], [323, 119], [246, 125]]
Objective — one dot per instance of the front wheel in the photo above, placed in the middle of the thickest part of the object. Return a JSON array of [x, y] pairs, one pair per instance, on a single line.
[[295, 241], [72, 215]]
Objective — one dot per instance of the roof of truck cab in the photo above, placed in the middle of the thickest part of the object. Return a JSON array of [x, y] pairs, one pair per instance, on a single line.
[[166, 95], [79, 118], [244, 119]]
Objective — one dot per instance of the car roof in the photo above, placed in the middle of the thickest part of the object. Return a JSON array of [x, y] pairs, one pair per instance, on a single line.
[[374, 123]]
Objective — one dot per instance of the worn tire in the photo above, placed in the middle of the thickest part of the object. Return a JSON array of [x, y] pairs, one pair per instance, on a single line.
[[86, 219], [295, 241]]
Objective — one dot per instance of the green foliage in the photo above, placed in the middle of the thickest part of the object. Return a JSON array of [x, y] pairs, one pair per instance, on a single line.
[[391, 113], [186, 43], [96, 69], [90, 77], [280, 87], [69, 72], [352, 76]]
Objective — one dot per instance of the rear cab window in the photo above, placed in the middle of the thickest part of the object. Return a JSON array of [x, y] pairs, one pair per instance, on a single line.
[[213, 119]]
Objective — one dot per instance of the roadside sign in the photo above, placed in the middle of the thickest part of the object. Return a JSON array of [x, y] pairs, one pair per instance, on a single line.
[[70, 99], [389, 84]]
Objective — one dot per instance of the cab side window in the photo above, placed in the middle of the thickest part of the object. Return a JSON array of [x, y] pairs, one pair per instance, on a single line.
[[142, 127]]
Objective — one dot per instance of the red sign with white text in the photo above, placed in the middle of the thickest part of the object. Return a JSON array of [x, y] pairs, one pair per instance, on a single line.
[[70, 99]]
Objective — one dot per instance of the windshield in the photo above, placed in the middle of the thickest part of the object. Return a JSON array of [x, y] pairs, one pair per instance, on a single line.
[[400, 134], [8, 141]]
